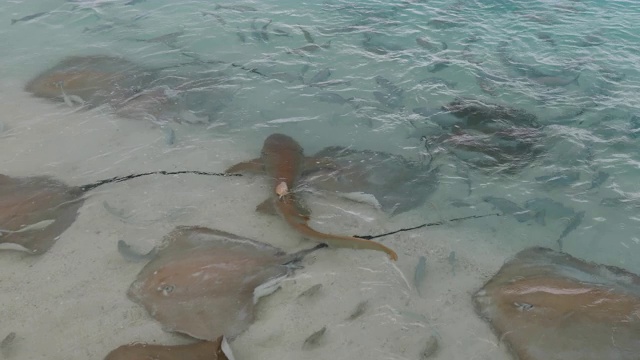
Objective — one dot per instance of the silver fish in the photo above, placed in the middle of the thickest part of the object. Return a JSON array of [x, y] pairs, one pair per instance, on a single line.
[[280, 32], [439, 81], [329, 83], [555, 81], [263, 33], [333, 98], [28, 17], [238, 8], [310, 48], [543, 207], [390, 100], [573, 223], [130, 254], [216, 16], [508, 207], [453, 261], [599, 179], [560, 178], [388, 85], [420, 273], [314, 339], [307, 35], [241, 36], [322, 75]]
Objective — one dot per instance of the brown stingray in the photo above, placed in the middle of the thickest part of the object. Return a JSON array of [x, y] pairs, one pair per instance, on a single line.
[[202, 350], [552, 306], [96, 80], [205, 282], [34, 211]]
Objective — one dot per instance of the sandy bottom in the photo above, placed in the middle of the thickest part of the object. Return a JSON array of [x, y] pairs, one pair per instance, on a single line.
[[70, 303]]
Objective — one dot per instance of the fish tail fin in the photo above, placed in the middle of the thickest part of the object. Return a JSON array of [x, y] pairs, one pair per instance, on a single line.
[[13, 21], [217, 7], [575, 80]]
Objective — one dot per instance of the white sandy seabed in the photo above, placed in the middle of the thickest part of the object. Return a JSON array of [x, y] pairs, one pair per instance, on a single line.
[[71, 303]]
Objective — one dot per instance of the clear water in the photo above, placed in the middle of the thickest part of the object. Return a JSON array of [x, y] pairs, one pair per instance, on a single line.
[[495, 51]]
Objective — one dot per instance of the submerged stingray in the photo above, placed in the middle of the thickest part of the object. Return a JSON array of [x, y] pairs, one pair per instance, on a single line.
[[395, 184], [489, 135], [34, 211], [548, 305], [205, 282], [133, 91], [90, 80], [202, 350]]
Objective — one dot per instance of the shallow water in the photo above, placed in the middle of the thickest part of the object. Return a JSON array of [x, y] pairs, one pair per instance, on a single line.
[[521, 54]]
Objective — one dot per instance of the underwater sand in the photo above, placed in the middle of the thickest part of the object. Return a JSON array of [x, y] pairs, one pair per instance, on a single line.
[[70, 303]]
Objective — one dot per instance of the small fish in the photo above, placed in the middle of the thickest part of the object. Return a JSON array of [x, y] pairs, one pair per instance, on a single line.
[[543, 207], [216, 16], [459, 203], [310, 292], [40, 225], [29, 17], [70, 100], [555, 81], [255, 33], [426, 43], [8, 340], [419, 274], [307, 35], [133, 2], [486, 86], [6, 346], [388, 85], [322, 75], [375, 49], [438, 66], [591, 40], [130, 254], [313, 340], [573, 223], [241, 36], [439, 81], [359, 310], [169, 136], [390, 100], [167, 39], [324, 84], [238, 8], [98, 28], [620, 201], [599, 179], [342, 30], [508, 207], [286, 77], [559, 178], [332, 98], [453, 261], [310, 48], [280, 32], [443, 24], [264, 34], [304, 69], [546, 37]]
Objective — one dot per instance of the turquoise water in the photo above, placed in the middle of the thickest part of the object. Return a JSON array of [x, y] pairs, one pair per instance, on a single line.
[[571, 64]]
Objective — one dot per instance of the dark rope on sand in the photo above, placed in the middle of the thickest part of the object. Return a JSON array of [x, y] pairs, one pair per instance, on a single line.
[[117, 179], [370, 237]]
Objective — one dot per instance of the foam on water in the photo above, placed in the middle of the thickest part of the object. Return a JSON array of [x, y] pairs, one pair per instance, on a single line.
[[522, 54]]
